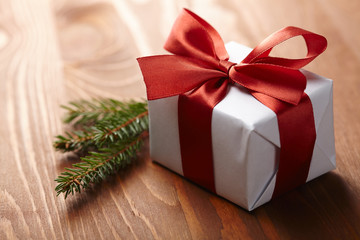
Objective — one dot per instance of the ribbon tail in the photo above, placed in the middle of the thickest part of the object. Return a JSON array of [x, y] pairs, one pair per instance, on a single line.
[[279, 82], [170, 75]]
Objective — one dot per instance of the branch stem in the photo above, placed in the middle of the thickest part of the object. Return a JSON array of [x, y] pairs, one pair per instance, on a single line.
[[111, 131], [77, 179]]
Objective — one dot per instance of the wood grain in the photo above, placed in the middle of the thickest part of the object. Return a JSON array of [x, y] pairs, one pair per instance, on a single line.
[[55, 51]]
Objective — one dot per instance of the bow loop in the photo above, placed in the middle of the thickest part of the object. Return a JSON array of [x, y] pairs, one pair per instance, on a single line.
[[316, 44], [191, 36]]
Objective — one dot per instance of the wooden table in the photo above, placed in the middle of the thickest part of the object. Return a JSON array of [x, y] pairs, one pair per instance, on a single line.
[[55, 51]]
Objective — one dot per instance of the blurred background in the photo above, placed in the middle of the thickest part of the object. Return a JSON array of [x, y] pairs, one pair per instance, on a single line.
[[97, 41]]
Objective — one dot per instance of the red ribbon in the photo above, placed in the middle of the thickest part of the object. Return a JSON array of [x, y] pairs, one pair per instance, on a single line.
[[200, 74]]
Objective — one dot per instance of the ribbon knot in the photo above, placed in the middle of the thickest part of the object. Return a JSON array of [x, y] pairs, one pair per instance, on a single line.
[[226, 66], [200, 74]]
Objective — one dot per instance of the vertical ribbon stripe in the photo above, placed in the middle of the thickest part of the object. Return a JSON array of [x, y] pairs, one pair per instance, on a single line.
[[195, 114], [296, 141]]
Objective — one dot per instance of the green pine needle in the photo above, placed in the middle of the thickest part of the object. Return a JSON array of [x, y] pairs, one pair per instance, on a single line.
[[88, 112], [114, 130], [120, 122]]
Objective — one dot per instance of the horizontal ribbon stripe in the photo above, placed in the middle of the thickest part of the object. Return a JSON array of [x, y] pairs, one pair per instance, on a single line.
[[200, 73]]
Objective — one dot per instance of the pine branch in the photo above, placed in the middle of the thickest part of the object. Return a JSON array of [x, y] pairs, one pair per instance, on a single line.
[[131, 119], [90, 112], [122, 125], [97, 166], [79, 141], [114, 130]]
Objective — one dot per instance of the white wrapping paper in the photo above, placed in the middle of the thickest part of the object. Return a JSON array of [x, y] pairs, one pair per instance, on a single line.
[[245, 138]]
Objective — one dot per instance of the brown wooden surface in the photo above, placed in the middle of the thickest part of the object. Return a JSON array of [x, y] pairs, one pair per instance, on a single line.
[[55, 51]]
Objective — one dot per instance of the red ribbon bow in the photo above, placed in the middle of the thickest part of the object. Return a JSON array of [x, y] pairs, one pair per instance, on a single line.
[[200, 73]]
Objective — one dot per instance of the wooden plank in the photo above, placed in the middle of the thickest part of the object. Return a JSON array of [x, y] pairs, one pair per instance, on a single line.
[[52, 52]]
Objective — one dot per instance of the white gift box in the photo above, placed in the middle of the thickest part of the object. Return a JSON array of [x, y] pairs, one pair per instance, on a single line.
[[245, 139]]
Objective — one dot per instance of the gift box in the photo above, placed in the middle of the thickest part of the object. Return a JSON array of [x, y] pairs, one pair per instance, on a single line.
[[236, 121], [245, 172]]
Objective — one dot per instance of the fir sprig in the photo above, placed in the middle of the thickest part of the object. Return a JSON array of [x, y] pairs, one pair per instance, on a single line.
[[113, 129], [88, 112], [97, 166], [75, 141], [128, 120]]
